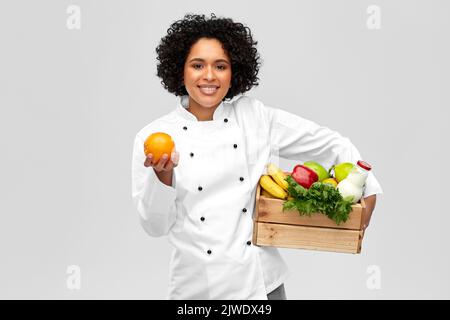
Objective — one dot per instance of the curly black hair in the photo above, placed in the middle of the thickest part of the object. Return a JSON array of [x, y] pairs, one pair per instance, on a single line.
[[237, 42]]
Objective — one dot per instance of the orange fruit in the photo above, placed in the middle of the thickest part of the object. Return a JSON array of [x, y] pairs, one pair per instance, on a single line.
[[331, 181], [157, 144]]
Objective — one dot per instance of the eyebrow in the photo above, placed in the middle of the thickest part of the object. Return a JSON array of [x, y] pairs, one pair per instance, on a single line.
[[203, 60]]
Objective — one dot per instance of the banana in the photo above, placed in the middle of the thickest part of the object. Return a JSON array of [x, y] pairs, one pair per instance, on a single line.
[[264, 193], [278, 175], [272, 187]]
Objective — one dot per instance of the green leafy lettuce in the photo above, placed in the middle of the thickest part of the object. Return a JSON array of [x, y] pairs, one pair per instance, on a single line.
[[320, 197]]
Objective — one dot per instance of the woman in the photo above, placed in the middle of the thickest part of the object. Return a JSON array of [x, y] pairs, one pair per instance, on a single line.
[[203, 195]]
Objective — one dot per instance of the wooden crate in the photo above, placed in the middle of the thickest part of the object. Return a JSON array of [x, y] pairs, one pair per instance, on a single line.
[[288, 229]]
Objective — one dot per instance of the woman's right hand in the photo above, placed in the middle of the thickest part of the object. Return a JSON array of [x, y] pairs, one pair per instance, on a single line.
[[164, 164]]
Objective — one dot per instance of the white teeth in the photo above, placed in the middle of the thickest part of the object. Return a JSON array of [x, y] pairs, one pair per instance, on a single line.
[[208, 90]]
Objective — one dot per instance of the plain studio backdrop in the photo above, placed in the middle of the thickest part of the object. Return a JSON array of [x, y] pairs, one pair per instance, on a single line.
[[73, 94]]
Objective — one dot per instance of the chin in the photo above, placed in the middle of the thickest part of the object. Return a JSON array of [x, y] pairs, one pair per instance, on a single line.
[[208, 102]]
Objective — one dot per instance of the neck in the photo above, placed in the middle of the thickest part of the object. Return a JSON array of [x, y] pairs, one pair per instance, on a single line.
[[201, 113]]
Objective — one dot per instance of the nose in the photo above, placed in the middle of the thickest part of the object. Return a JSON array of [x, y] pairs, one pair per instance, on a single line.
[[209, 73]]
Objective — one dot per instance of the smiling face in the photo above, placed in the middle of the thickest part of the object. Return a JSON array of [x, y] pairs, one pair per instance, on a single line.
[[207, 75]]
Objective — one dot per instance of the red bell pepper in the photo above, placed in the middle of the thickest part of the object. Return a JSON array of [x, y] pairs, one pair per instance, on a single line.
[[304, 176]]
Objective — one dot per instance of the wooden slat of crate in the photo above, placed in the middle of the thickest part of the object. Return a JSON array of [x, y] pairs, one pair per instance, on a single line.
[[310, 238], [271, 210]]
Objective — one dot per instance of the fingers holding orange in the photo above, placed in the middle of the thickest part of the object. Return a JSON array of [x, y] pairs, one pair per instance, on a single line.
[[149, 160], [175, 157], [163, 163]]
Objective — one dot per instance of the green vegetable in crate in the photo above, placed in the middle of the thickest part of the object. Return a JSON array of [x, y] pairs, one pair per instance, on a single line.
[[320, 197]]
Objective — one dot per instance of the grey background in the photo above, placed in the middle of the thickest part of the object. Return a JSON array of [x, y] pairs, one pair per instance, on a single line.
[[72, 101]]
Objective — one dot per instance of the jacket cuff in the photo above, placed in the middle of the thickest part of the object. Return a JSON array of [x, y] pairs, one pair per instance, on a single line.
[[372, 186]]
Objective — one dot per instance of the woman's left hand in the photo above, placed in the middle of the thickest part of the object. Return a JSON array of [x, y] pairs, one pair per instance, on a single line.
[[370, 206]]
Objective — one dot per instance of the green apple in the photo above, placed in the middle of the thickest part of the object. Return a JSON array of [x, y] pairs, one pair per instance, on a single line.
[[317, 168], [342, 170]]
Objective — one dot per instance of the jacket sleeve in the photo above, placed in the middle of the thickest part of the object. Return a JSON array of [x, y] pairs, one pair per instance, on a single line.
[[154, 201], [296, 138]]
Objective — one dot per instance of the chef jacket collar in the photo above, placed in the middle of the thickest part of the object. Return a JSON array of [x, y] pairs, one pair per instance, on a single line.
[[184, 104]]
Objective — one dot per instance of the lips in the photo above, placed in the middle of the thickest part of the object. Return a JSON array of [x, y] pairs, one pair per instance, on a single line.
[[208, 89]]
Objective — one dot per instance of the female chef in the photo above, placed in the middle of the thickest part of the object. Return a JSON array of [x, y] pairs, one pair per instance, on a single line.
[[203, 196]]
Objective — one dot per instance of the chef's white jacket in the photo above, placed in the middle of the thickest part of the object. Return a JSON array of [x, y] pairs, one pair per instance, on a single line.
[[207, 212]]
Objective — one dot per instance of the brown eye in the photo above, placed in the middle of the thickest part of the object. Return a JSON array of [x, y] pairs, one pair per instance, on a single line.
[[221, 67], [197, 66]]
